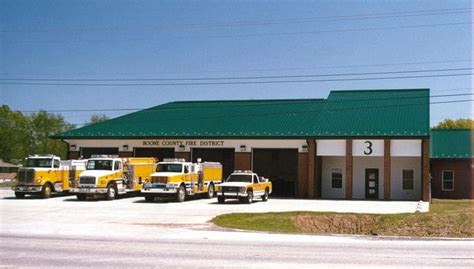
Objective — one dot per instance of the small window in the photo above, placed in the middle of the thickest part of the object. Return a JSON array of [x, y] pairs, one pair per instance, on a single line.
[[408, 179], [448, 180], [56, 163], [117, 165], [336, 178], [255, 179]]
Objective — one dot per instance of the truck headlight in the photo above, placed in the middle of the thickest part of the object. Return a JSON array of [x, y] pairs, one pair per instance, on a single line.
[[243, 189], [102, 182], [39, 180], [169, 186]]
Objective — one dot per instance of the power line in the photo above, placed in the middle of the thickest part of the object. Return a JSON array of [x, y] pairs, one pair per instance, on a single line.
[[232, 82], [264, 34], [248, 70], [268, 102], [417, 13], [240, 78]]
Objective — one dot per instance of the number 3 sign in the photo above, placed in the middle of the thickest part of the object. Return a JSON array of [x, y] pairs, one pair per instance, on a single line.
[[367, 147]]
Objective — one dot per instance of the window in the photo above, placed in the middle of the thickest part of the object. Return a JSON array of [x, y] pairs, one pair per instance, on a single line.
[[336, 178], [56, 164], [117, 165], [255, 179], [448, 180], [408, 179]]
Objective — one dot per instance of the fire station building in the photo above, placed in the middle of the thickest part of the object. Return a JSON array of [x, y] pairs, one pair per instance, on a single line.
[[364, 144]]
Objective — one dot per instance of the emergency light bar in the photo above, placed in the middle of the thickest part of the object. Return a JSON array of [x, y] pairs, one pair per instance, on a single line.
[[174, 160]]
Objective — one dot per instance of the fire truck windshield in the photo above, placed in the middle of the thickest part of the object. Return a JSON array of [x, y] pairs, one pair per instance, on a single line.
[[99, 165], [39, 163], [169, 167], [239, 178]]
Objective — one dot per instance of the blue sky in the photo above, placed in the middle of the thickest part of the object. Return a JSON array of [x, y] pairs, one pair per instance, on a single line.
[[183, 39]]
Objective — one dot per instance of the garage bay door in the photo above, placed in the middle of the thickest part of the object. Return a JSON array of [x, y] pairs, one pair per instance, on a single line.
[[160, 153], [224, 156], [280, 166], [86, 153]]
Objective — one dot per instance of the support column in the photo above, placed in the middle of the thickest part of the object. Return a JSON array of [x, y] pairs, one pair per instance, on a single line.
[[386, 170], [311, 172], [73, 155], [243, 161], [183, 155], [425, 170], [125, 154], [349, 169]]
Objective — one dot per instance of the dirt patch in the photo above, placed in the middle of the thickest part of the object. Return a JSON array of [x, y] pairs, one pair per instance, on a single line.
[[345, 224]]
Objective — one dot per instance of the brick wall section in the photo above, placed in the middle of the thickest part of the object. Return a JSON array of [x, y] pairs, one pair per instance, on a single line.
[[125, 154], [425, 169], [302, 191], [243, 161], [312, 184], [463, 178], [183, 155], [73, 155], [349, 169], [386, 168]]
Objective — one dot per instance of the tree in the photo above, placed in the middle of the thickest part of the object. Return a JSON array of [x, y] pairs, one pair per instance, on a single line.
[[14, 134], [96, 118], [455, 124], [22, 135]]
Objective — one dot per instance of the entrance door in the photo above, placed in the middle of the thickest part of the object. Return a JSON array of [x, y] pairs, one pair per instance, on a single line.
[[372, 183]]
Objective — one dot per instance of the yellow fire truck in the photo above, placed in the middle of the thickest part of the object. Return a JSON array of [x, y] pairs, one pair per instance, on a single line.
[[178, 178], [111, 176], [45, 174]]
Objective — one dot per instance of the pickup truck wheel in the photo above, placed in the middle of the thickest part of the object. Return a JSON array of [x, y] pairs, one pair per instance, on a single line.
[[81, 197], [265, 196], [19, 195], [149, 198], [220, 199], [210, 191], [46, 191], [249, 199], [181, 194], [111, 192]]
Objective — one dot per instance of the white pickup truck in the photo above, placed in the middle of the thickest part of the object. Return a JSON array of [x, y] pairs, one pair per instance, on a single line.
[[245, 186]]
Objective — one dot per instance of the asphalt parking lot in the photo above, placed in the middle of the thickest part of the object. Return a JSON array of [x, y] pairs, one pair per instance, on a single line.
[[64, 215]]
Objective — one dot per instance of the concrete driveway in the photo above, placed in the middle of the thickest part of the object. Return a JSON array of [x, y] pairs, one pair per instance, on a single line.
[[64, 215]]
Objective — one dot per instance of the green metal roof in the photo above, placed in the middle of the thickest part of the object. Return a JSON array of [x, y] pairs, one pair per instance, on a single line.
[[344, 113], [451, 144]]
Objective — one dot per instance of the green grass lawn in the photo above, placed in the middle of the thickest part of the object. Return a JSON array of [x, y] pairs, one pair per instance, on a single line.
[[447, 218]]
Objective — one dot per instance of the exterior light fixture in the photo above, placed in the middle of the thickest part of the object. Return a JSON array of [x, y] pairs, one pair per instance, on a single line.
[[243, 147], [73, 147], [181, 147], [125, 147], [304, 148]]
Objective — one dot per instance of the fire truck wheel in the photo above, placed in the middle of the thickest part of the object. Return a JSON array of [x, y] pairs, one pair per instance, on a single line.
[[19, 195], [149, 198], [249, 198], [265, 196], [210, 191], [111, 192], [220, 199], [46, 191], [181, 194]]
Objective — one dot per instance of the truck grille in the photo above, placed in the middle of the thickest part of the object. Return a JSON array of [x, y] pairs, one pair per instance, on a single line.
[[230, 189], [87, 180], [26, 176], [163, 180]]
